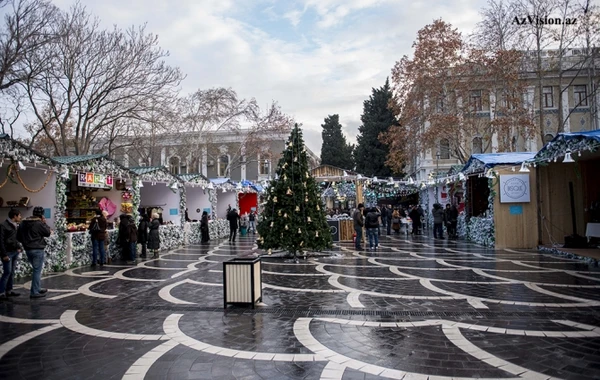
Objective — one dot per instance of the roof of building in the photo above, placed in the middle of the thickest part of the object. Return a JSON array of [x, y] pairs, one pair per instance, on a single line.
[[572, 142], [484, 161], [192, 176], [66, 160]]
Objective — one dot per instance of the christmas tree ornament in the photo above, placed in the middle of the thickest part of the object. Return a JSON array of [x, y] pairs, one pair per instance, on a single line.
[[308, 220], [284, 177], [285, 215], [318, 208], [301, 244], [274, 199], [272, 224], [304, 185], [289, 191], [297, 208], [279, 212], [317, 234], [296, 159], [306, 199], [286, 226], [299, 230], [269, 251], [306, 175]]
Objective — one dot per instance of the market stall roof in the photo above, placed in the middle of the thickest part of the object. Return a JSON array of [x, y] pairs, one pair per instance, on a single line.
[[192, 177], [325, 172], [100, 163], [155, 174], [222, 181], [257, 187], [16, 150], [481, 162], [572, 141], [67, 160]]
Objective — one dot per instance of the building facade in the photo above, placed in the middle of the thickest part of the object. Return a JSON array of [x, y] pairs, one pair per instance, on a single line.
[[570, 101]]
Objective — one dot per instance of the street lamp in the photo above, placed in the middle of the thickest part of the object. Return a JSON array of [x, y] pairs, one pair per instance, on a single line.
[[437, 170]]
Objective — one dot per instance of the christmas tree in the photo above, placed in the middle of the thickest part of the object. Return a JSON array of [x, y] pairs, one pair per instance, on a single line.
[[294, 217]]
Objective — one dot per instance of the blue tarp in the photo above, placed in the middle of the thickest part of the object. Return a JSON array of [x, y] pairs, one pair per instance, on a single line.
[[485, 161], [567, 141], [253, 185]]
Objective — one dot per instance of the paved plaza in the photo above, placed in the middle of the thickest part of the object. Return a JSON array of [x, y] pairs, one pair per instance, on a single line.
[[417, 308]]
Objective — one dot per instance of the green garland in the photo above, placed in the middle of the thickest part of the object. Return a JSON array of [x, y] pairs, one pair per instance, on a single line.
[[182, 204], [136, 198]]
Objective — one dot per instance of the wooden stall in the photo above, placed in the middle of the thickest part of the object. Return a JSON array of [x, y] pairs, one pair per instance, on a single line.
[[346, 230]]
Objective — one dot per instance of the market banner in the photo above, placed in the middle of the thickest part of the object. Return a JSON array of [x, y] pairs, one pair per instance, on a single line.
[[96, 180]]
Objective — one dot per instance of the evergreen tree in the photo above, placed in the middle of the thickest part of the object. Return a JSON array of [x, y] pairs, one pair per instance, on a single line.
[[335, 150], [370, 153], [294, 216]]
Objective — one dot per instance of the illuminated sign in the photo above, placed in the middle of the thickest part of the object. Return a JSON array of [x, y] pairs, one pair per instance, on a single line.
[[96, 180]]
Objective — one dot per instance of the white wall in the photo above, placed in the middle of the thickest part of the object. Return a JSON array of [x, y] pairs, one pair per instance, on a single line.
[[34, 179], [224, 199], [158, 195], [196, 199]]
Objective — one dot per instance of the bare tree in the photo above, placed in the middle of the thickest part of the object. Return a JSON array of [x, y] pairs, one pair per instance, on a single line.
[[96, 81], [497, 30], [26, 28]]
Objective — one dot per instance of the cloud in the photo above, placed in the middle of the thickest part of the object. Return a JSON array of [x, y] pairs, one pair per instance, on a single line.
[[315, 57]]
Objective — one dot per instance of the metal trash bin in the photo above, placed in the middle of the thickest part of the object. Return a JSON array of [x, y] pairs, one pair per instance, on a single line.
[[242, 281]]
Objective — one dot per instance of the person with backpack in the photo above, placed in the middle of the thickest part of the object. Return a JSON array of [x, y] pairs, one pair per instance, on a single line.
[[132, 235], [372, 226], [97, 230], [143, 234]]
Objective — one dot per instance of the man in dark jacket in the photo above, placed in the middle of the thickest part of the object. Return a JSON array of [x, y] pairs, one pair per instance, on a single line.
[[122, 237], [132, 236], [32, 233], [359, 222], [233, 218], [9, 253], [143, 234], [372, 226], [438, 221], [98, 231]]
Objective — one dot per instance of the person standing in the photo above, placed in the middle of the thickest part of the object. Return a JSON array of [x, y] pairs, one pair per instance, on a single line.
[[416, 220], [396, 221], [372, 225], [233, 218], [32, 233], [438, 221], [154, 236], [143, 235], [359, 222], [252, 220], [204, 231], [388, 214], [452, 216], [122, 237], [132, 235], [9, 253], [97, 229], [384, 211]]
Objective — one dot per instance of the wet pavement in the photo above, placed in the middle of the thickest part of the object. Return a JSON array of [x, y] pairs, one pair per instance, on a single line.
[[417, 308]]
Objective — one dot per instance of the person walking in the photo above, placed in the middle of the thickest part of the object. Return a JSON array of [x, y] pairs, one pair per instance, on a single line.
[[132, 236], [97, 231], [252, 222], [438, 220], [389, 219], [359, 222], [415, 216], [233, 218], [396, 221], [452, 216], [9, 253], [143, 235], [384, 211], [372, 225], [32, 233], [154, 236], [204, 231]]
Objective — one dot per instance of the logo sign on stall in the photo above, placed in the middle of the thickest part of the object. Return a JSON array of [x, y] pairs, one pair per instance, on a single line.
[[514, 188], [96, 180]]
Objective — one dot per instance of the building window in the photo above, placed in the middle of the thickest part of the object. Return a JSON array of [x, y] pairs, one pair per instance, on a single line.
[[580, 95], [440, 106], [475, 100], [223, 165], [444, 149], [477, 145], [174, 165], [547, 97], [264, 166], [183, 168], [547, 138]]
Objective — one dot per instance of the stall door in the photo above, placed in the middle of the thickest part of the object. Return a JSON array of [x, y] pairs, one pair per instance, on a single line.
[[247, 202]]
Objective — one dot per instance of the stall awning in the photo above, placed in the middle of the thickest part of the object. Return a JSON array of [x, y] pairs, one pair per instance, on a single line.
[[193, 178], [481, 162], [68, 160], [573, 142], [255, 186], [221, 181], [155, 174]]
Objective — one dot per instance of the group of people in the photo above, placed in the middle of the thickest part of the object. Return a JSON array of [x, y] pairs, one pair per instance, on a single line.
[[236, 222], [146, 234], [18, 235], [445, 216]]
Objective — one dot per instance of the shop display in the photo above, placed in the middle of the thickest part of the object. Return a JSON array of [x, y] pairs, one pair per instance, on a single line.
[[81, 208]]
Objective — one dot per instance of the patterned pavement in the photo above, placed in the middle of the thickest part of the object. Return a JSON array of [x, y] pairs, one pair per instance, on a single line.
[[417, 308]]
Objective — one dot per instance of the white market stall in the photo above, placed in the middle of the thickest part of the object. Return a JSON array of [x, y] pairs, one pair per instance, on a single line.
[[226, 196]]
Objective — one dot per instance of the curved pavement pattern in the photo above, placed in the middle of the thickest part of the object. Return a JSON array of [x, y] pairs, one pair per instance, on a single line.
[[415, 309]]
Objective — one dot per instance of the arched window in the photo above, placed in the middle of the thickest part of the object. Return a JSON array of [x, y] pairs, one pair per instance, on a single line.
[[223, 164], [547, 138], [444, 149], [264, 165], [174, 165], [477, 145]]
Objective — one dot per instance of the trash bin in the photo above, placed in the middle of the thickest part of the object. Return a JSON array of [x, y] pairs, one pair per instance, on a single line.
[[243, 231], [242, 281]]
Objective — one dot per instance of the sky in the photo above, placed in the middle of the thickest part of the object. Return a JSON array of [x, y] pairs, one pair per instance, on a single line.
[[314, 57]]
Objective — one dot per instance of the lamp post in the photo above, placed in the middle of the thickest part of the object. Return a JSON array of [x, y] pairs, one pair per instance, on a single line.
[[437, 170]]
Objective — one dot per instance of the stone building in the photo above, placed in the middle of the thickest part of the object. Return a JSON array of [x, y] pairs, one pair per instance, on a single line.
[[575, 88]]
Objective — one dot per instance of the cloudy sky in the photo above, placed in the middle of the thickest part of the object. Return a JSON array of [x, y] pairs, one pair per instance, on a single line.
[[314, 57]]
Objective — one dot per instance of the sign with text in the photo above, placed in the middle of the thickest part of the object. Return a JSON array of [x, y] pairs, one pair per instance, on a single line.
[[514, 188], [96, 180]]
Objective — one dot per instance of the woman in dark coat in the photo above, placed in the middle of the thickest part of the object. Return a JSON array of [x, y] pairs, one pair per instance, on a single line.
[[123, 236], [143, 234], [204, 227], [154, 236]]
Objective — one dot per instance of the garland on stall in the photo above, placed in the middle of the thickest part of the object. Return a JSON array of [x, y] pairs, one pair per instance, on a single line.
[[136, 198], [16, 171], [182, 204], [212, 198]]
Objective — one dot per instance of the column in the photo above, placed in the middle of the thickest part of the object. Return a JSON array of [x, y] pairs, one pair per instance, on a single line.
[[565, 108], [244, 161], [530, 144], [163, 156], [492, 117], [204, 158]]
